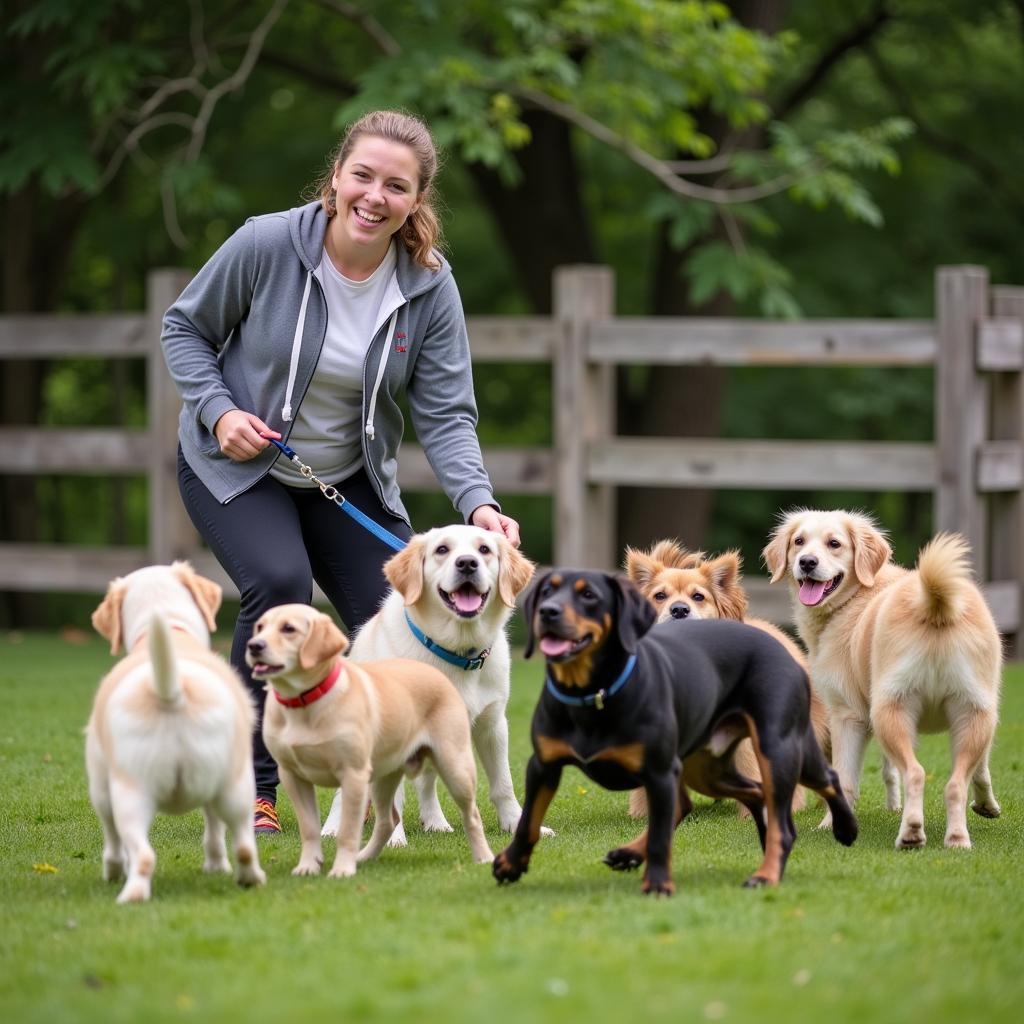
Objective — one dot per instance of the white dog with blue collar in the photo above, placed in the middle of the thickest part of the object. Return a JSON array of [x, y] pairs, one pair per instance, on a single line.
[[453, 590]]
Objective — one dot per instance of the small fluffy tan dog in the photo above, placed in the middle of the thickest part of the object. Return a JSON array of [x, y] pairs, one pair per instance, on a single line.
[[331, 722], [171, 728], [456, 585], [685, 584], [895, 652]]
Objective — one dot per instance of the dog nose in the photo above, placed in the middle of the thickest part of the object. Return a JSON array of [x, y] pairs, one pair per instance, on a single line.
[[255, 647], [549, 611], [808, 563], [679, 610], [466, 564]]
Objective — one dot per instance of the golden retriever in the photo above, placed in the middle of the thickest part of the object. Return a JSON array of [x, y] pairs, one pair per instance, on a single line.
[[170, 729], [685, 584], [895, 652], [456, 585], [329, 721]]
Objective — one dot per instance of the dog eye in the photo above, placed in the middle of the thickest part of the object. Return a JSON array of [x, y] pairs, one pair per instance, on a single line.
[[441, 549], [287, 628], [660, 595], [588, 595], [798, 541], [833, 543], [698, 597], [484, 549]]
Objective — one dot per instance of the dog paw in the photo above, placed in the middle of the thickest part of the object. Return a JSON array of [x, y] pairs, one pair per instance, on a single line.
[[757, 882], [911, 837], [306, 868], [217, 866], [398, 839], [505, 869], [623, 859], [658, 887], [987, 810], [958, 841], [438, 824], [329, 831], [826, 822], [251, 876], [136, 891], [344, 870]]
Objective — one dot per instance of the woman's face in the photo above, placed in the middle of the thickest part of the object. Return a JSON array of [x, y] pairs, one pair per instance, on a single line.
[[377, 189]]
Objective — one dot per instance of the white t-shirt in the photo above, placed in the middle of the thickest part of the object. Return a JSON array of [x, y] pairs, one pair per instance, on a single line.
[[328, 425]]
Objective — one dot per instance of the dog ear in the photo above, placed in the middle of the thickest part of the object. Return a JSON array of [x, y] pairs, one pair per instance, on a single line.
[[636, 613], [641, 568], [404, 571], [514, 572], [206, 594], [723, 574], [529, 607], [324, 642], [777, 549], [870, 551], [106, 620]]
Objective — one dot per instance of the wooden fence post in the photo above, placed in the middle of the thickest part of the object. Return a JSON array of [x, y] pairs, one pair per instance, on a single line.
[[171, 534], [584, 412], [961, 407], [1007, 524]]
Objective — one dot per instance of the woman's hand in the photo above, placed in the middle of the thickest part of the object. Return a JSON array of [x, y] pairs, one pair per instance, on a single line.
[[239, 434], [487, 517]]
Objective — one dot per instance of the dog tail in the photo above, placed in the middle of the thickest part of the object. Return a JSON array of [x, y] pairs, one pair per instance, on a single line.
[[166, 679], [944, 571]]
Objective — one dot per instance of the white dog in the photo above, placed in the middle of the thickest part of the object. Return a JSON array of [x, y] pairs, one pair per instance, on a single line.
[[453, 590], [895, 652], [171, 728]]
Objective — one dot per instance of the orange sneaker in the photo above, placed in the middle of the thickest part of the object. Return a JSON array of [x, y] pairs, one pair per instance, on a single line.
[[265, 818]]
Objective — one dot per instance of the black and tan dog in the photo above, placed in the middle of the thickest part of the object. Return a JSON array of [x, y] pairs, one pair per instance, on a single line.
[[626, 703]]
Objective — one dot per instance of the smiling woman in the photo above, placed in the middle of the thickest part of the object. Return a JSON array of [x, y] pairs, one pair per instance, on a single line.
[[307, 325]]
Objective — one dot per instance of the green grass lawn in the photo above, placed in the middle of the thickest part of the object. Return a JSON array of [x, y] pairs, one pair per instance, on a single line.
[[423, 934]]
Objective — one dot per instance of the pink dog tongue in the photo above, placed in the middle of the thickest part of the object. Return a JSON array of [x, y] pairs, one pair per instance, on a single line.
[[553, 646], [811, 591], [467, 600]]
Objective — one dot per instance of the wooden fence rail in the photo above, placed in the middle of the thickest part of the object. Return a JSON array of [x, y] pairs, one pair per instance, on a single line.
[[974, 467]]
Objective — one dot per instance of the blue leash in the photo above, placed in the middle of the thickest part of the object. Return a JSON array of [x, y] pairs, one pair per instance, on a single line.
[[332, 493], [395, 543], [595, 700]]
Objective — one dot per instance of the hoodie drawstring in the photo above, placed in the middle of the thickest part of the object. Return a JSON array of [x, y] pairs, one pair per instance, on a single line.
[[286, 409], [370, 432]]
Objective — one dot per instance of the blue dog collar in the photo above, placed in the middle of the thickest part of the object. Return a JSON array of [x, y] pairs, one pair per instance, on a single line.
[[595, 700], [471, 664]]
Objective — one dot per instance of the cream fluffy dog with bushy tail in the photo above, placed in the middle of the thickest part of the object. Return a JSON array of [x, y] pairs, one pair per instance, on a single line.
[[895, 652], [170, 729]]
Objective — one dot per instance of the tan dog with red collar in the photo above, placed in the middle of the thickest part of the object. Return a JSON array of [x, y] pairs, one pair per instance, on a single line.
[[331, 722]]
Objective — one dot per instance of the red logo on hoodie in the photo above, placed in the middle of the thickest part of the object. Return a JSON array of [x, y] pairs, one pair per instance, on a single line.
[[400, 341]]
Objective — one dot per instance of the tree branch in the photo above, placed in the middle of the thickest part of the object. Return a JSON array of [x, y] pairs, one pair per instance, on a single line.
[[857, 36], [371, 26], [660, 169]]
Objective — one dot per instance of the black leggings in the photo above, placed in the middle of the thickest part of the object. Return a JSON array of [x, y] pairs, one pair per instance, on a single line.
[[274, 541]]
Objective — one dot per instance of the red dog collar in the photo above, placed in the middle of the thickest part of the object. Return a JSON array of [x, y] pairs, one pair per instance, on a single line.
[[309, 696]]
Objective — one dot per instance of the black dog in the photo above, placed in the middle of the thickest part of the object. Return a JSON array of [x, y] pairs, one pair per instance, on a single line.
[[626, 703]]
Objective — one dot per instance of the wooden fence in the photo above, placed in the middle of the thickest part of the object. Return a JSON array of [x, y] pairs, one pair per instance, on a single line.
[[974, 467]]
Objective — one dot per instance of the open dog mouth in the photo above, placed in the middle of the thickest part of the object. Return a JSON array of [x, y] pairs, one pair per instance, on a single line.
[[466, 601], [813, 592], [562, 648], [261, 668]]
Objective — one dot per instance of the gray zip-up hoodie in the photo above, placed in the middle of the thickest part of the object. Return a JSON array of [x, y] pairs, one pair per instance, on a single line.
[[246, 333]]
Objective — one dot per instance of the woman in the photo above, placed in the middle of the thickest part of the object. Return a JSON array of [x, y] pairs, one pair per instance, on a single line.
[[306, 325]]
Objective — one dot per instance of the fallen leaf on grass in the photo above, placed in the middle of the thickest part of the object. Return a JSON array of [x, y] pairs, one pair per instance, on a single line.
[[45, 869]]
